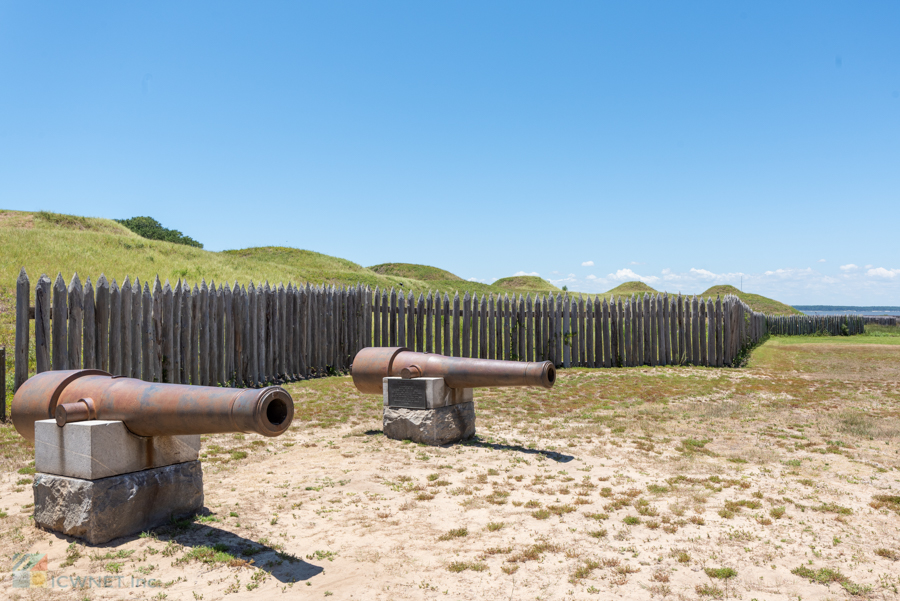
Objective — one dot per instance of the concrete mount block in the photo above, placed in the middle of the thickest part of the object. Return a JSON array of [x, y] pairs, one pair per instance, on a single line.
[[100, 449]]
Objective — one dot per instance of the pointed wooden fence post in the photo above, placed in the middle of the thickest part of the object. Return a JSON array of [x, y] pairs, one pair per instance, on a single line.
[[23, 297], [89, 327], [42, 328], [146, 331], [455, 325], [74, 328], [60, 316]]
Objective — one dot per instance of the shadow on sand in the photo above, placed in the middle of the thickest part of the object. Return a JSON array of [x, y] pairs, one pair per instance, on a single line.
[[193, 533], [477, 441]]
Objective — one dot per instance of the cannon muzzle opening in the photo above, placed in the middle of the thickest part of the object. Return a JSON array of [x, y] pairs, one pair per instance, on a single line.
[[371, 365]]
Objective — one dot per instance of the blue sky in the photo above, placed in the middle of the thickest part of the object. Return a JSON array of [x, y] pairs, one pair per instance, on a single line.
[[685, 144]]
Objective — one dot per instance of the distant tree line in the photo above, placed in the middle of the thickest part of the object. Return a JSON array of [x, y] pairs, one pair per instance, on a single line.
[[148, 227]]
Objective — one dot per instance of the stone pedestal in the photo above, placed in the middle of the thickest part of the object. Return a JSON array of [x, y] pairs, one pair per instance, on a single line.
[[101, 510], [97, 481], [427, 411]]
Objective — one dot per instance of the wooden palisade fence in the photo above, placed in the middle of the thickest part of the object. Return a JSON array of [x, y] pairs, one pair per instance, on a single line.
[[255, 334], [881, 320]]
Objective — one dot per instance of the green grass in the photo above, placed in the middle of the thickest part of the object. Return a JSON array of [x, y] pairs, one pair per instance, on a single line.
[[629, 288], [213, 555], [423, 273], [827, 576], [526, 283], [757, 302]]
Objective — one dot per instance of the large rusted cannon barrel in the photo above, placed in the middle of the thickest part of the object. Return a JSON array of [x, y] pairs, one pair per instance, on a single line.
[[371, 365], [148, 408]]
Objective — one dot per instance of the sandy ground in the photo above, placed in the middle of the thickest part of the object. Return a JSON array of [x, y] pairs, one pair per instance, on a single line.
[[652, 503]]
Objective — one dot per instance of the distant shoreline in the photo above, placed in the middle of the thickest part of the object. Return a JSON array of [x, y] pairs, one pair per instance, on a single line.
[[837, 309]]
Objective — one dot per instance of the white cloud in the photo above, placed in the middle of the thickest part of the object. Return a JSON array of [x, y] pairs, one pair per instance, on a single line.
[[624, 275], [850, 267], [704, 274], [869, 266], [666, 270], [637, 263], [476, 280], [790, 273], [587, 264], [822, 261], [592, 277], [881, 272], [518, 273], [571, 275]]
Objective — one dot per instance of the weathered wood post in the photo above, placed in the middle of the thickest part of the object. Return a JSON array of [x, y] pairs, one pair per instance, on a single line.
[[147, 344], [447, 323], [126, 326], [653, 314], [520, 329], [710, 332], [726, 330], [637, 329], [23, 296], [188, 345], [135, 329], [115, 329], [392, 316], [720, 360], [60, 317], [438, 324], [551, 330], [588, 359], [42, 332], [401, 320], [456, 326], [177, 294], [567, 331], [203, 367], [608, 336], [219, 375], [429, 322], [168, 347], [376, 319], [157, 330], [613, 355], [466, 318], [76, 313], [229, 374], [492, 328], [88, 339]]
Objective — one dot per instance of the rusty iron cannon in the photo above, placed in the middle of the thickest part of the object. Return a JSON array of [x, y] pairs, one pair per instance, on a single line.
[[149, 408], [373, 364]]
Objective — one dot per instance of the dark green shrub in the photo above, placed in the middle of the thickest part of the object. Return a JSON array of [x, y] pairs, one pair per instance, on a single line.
[[148, 227]]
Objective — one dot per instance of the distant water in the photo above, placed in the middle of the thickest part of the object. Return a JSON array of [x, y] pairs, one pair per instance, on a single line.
[[844, 310]]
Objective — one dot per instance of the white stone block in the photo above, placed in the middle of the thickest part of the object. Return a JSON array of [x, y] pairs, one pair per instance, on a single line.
[[100, 448], [423, 393]]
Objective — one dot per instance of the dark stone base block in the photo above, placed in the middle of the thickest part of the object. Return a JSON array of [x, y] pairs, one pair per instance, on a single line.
[[101, 510], [435, 427]]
